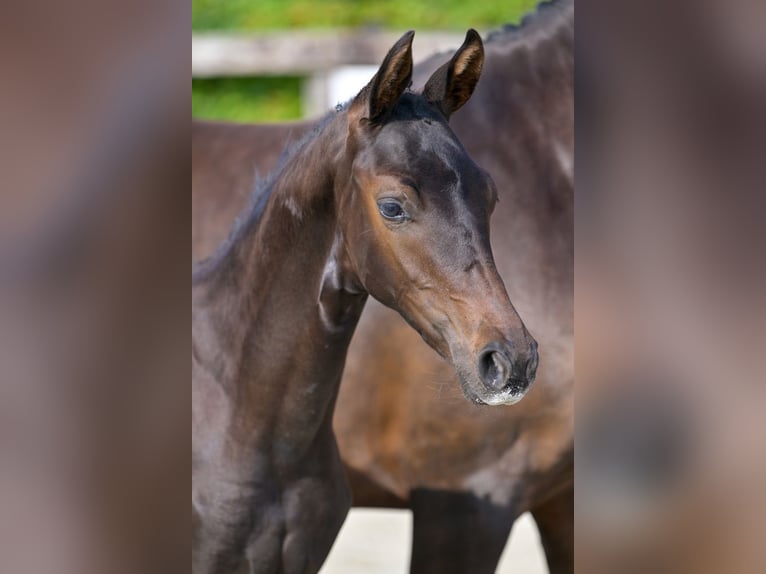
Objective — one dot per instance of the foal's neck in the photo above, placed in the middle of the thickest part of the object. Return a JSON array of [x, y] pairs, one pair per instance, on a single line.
[[272, 312]]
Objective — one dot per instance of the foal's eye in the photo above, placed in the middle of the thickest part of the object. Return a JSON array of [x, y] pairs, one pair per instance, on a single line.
[[392, 211]]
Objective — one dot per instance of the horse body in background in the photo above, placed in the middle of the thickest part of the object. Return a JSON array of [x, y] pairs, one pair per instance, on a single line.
[[382, 200], [405, 436]]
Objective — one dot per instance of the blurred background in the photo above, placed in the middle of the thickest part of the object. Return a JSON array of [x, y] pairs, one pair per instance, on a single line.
[[273, 60]]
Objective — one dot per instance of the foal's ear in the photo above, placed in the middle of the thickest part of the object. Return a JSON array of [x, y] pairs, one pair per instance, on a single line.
[[380, 96], [452, 84]]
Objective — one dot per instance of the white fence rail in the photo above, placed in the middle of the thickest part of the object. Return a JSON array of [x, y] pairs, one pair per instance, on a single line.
[[303, 52], [335, 63]]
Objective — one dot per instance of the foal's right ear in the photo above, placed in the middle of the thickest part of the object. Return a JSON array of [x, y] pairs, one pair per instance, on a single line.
[[380, 96], [453, 83]]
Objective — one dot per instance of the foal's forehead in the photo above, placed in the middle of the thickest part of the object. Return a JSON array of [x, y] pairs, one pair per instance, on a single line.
[[416, 125], [417, 135], [425, 148], [416, 143]]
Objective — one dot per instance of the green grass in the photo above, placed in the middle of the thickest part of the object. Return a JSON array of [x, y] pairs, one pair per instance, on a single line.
[[247, 99], [253, 15]]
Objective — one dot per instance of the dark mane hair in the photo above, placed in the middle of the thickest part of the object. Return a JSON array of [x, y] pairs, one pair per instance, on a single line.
[[259, 197], [538, 18], [546, 19]]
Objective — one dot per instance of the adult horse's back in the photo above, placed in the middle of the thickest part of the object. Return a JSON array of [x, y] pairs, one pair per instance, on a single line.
[[405, 436]]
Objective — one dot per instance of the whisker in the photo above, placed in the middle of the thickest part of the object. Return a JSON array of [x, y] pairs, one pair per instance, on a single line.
[[364, 232]]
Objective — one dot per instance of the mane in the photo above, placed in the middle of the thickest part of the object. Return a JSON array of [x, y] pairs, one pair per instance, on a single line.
[[261, 192], [547, 18], [541, 18]]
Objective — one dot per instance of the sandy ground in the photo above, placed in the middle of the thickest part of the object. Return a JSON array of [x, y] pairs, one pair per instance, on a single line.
[[378, 542]]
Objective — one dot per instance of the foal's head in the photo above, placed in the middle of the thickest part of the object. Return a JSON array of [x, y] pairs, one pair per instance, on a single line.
[[414, 212]]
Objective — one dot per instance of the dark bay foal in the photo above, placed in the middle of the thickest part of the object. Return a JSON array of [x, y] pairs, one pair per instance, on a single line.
[[381, 200]]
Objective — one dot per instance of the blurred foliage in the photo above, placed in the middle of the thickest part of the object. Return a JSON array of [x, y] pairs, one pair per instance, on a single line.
[[247, 99], [397, 14], [279, 99]]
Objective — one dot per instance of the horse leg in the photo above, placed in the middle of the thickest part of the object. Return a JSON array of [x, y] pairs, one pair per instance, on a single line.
[[457, 533], [555, 521], [213, 551], [298, 536], [227, 516]]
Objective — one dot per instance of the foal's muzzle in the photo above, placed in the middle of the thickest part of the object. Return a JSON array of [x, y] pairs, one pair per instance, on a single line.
[[507, 372]]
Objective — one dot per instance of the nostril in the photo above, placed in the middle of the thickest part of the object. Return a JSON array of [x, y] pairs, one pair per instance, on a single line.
[[494, 369]]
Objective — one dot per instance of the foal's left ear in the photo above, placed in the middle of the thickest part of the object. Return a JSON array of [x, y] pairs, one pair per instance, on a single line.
[[452, 84], [380, 96]]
